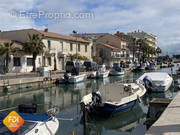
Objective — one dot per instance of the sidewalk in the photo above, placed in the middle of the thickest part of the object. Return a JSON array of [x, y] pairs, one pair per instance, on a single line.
[[25, 75]]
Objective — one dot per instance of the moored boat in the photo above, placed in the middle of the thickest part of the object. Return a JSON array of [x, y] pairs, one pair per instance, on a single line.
[[93, 74], [156, 81], [117, 70], [67, 78], [138, 67], [113, 98], [102, 72], [42, 124]]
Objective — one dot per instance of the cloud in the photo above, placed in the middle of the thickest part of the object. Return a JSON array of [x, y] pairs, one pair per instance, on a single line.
[[156, 17]]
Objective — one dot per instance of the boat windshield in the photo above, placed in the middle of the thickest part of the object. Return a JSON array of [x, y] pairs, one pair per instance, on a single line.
[[116, 65]]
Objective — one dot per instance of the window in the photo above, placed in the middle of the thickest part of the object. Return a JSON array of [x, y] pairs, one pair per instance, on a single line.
[[62, 48], [49, 44], [29, 61], [85, 48], [79, 48], [17, 61], [49, 61], [71, 47]]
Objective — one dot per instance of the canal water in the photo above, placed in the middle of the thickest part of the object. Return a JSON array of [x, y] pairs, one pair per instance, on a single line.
[[67, 98]]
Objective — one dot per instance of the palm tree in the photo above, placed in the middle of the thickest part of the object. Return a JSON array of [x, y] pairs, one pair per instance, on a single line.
[[34, 46], [134, 47], [5, 50], [158, 50]]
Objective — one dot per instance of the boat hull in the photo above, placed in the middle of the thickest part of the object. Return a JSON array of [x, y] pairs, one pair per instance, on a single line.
[[116, 73], [111, 110], [102, 75], [45, 128], [73, 79]]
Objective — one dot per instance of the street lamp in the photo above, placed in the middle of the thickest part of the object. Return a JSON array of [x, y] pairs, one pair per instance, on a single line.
[[75, 32]]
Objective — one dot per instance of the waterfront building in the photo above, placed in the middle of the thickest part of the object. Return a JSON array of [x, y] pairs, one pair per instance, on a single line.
[[150, 39], [92, 37], [112, 49], [57, 51]]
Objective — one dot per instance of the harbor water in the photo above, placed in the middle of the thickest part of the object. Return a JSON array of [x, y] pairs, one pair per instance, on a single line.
[[68, 97]]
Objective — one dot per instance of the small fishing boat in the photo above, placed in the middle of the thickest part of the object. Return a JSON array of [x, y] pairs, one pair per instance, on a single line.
[[139, 67], [150, 66], [102, 72], [93, 74], [41, 124], [117, 70], [67, 78], [113, 98], [156, 81]]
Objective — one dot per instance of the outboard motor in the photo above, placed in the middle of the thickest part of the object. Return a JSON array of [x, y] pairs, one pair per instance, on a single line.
[[148, 83], [66, 77], [96, 100]]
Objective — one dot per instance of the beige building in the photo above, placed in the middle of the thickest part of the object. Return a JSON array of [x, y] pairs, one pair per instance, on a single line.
[[150, 39], [58, 47], [117, 49]]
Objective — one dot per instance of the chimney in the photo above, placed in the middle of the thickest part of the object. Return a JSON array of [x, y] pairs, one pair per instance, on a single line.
[[46, 30]]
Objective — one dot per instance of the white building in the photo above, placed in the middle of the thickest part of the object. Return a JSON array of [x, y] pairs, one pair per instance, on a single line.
[[58, 47]]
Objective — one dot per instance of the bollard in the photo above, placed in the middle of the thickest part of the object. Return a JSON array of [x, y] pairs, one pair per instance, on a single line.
[[72, 133]]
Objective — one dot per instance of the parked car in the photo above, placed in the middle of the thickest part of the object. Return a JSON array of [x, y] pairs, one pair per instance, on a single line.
[[78, 65], [90, 66]]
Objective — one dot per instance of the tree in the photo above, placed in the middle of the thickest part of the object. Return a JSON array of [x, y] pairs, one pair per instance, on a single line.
[[34, 46], [5, 50], [158, 51], [134, 47]]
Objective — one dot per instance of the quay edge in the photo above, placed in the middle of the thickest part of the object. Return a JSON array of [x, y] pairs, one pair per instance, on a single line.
[[169, 121]]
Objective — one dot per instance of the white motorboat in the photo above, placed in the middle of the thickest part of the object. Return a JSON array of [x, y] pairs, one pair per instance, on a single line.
[[113, 98], [77, 78], [40, 124], [151, 66], [102, 72], [117, 70], [93, 74], [156, 81], [67, 78]]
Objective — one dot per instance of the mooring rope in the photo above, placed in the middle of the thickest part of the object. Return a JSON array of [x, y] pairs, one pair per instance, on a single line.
[[69, 119]]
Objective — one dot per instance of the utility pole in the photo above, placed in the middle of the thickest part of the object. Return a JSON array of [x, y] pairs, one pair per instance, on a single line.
[[75, 32]]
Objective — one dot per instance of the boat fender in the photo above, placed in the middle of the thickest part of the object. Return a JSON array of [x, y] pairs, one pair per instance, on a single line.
[[138, 98]]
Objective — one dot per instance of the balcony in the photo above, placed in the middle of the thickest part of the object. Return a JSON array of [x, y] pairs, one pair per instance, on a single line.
[[63, 52]]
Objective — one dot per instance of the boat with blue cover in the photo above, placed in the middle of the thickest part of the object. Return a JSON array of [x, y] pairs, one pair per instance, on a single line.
[[117, 70], [113, 98], [41, 124]]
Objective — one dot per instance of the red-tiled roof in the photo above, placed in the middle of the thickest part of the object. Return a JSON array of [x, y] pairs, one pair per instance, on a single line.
[[109, 46], [61, 36], [15, 43]]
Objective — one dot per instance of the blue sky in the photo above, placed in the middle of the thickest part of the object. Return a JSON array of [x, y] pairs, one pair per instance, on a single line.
[[152, 16]]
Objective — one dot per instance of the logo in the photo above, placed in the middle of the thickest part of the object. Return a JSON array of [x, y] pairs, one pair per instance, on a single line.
[[13, 121]]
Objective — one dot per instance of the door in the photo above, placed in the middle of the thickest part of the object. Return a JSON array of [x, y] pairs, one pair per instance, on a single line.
[[61, 63]]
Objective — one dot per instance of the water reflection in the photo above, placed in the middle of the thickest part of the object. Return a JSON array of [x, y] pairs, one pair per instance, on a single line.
[[67, 98]]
